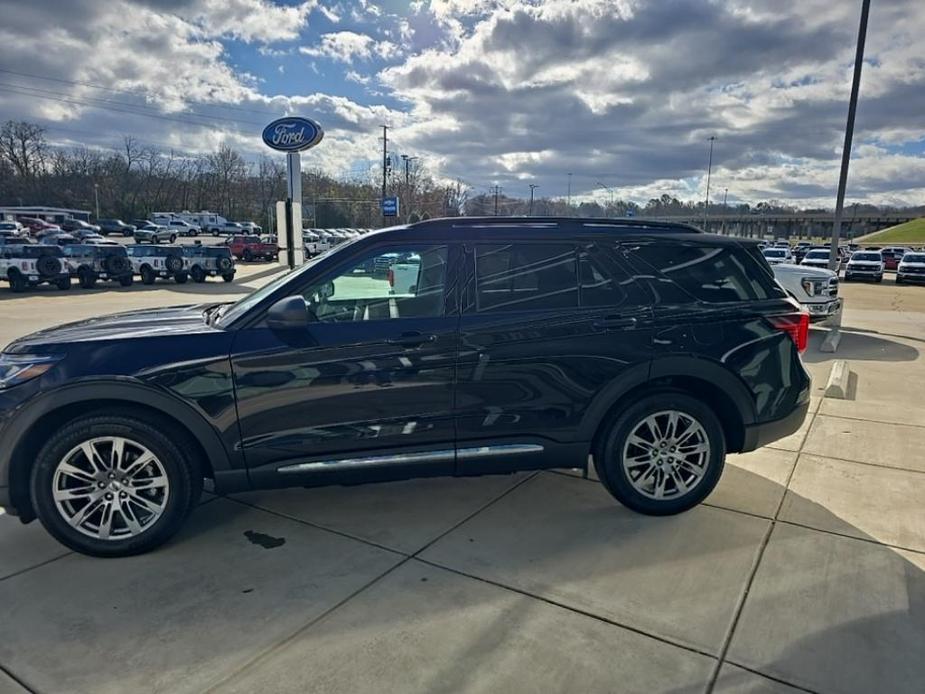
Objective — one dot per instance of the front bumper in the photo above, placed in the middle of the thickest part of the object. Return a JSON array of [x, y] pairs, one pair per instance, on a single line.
[[910, 276], [763, 433], [823, 310]]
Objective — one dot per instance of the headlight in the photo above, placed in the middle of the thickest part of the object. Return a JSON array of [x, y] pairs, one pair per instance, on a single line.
[[19, 368]]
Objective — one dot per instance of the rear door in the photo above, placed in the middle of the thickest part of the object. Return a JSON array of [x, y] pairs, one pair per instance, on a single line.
[[546, 325]]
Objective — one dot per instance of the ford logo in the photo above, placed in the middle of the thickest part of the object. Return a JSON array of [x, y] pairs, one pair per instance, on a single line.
[[292, 134]]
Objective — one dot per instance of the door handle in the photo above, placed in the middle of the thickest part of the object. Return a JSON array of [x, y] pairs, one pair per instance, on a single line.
[[614, 322], [414, 339]]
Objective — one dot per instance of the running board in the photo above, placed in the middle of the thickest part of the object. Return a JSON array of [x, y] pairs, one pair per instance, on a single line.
[[441, 456]]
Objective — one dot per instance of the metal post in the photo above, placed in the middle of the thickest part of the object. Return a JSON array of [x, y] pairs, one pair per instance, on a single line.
[[706, 204], [533, 187], [96, 194], [568, 203], [294, 195], [725, 210], [385, 166], [849, 134]]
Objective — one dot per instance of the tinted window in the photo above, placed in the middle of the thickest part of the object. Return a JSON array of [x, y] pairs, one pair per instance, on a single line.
[[709, 274], [604, 281], [866, 256], [525, 276], [403, 282]]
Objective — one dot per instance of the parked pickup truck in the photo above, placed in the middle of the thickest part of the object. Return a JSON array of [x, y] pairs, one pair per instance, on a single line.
[[252, 247], [816, 289]]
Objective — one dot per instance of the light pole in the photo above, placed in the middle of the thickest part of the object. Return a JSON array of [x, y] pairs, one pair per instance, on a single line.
[[849, 134], [706, 205], [96, 195], [725, 212], [568, 203], [610, 190], [533, 187]]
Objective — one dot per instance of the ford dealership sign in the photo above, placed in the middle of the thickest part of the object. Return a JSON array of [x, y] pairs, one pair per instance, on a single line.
[[292, 134]]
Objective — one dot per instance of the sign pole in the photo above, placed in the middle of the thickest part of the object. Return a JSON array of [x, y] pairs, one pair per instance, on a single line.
[[293, 203]]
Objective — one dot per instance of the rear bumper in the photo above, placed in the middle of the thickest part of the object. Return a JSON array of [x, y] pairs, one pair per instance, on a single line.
[[763, 433]]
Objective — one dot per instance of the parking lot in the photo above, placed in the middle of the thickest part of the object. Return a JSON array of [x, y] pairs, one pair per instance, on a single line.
[[804, 570]]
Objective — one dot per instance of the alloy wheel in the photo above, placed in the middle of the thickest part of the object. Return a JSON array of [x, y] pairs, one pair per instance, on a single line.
[[666, 455], [110, 488]]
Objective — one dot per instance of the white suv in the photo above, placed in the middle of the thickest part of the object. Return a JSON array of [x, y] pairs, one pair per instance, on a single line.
[[29, 265], [816, 289], [151, 262], [866, 265], [777, 255]]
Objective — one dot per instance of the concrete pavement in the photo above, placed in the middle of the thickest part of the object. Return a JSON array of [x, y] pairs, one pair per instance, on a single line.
[[804, 570]]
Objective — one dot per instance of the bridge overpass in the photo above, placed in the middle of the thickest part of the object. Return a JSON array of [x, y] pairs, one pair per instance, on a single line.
[[791, 226]]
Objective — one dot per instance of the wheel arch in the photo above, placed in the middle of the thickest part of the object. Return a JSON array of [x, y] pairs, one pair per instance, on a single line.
[[725, 394], [34, 425]]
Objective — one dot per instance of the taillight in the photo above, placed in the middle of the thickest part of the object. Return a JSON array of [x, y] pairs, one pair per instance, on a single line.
[[391, 277], [796, 325]]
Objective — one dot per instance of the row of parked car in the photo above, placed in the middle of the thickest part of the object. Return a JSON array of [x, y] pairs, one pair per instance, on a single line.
[[857, 263], [318, 241], [28, 265]]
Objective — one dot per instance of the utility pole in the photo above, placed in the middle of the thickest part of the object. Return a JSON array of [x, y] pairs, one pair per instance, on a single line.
[[849, 134], [385, 166], [568, 204], [96, 194], [497, 192], [706, 205], [725, 193], [533, 187], [610, 190]]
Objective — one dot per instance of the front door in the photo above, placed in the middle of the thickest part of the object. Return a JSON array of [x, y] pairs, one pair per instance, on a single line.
[[366, 391]]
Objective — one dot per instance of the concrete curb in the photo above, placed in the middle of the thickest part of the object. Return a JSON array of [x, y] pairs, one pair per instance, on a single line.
[[837, 386]]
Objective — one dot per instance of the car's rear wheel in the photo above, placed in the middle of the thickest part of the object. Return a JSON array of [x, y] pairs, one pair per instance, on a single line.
[[229, 277], [18, 283], [173, 238], [147, 275], [181, 277], [63, 284], [126, 280], [662, 455], [198, 274], [86, 278], [248, 255], [114, 485]]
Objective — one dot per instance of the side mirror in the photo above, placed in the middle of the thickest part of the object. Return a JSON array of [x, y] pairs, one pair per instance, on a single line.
[[290, 313]]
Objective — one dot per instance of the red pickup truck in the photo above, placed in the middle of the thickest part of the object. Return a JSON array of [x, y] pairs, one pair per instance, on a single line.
[[252, 247]]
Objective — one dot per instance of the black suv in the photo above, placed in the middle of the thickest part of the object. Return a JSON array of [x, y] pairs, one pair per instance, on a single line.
[[489, 345], [90, 263]]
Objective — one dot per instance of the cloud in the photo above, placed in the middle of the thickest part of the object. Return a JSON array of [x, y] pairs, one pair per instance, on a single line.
[[253, 20], [345, 46]]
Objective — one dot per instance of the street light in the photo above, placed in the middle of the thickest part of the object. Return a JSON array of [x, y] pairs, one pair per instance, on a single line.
[[96, 194], [725, 211], [849, 134], [610, 190], [706, 205], [533, 186], [568, 204]]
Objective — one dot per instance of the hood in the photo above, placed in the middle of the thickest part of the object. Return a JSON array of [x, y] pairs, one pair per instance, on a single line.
[[147, 323], [804, 270]]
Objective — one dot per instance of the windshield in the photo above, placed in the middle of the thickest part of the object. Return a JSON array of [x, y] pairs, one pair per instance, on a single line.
[[817, 255], [875, 257], [775, 253], [914, 258]]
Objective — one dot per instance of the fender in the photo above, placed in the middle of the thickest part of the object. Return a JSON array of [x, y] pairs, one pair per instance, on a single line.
[[712, 372], [640, 374], [125, 389]]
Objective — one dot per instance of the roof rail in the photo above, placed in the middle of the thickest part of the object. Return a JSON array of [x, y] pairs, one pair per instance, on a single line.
[[573, 223]]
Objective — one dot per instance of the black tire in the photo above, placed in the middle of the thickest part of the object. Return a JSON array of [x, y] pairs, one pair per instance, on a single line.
[[229, 277], [608, 456], [899, 279], [18, 282], [184, 479], [127, 280], [248, 256], [155, 240], [198, 274], [63, 284], [147, 275], [173, 238], [86, 279], [127, 232], [181, 277]]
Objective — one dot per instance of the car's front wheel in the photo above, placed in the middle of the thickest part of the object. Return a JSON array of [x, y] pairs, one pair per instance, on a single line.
[[114, 485], [662, 455]]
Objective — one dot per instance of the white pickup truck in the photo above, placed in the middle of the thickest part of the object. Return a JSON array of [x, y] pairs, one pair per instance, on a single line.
[[816, 289]]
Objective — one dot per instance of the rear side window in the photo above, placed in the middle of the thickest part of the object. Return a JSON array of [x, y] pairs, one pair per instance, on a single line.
[[606, 282], [526, 276], [713, 275]]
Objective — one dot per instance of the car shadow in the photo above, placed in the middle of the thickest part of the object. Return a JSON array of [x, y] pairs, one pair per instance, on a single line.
[[860, 346]]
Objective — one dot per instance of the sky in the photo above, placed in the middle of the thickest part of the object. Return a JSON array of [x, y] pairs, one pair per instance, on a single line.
[[619, 93]]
